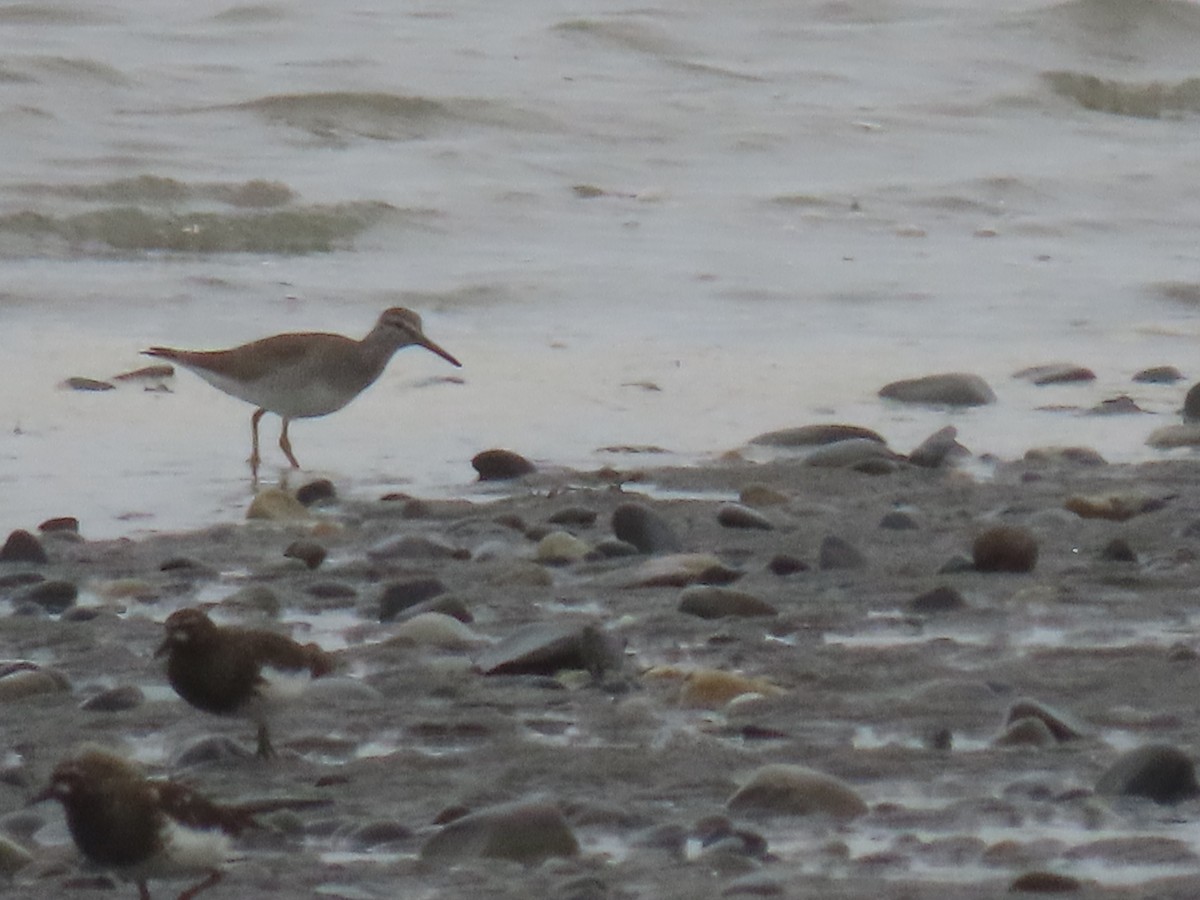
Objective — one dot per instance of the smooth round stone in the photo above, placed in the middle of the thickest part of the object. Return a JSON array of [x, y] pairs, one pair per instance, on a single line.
[[680, 570], [937, 449], [118, 699], [1062, 726], [1160, 772], [214, 749], [1170, 437], [92, 385], [949, 389], [579, 516], [1079, 456], [939, 600], [1158, 375], [1056, 373], [331, 590], [546, 648], [898, 520], [52, 596], [710, 602], [815, 435], [615, 548], [446, 604], [60, 524], [21, 680], [433, 629], [379, 833], [785, 564], [308, 552], [836, 553], [501, 465], [320, 490], [21, 546], [757, 495], [1122, 405], [415, 546], [645, 529], [1115, 507], [735, 515], [1026, 732], [860, 454], [400, 595], [561, 548], [183, 564], [527, 832], [274, 505], [783, 789], [1118, 550], [1044, 883], [1191, 405], [1005, 548]]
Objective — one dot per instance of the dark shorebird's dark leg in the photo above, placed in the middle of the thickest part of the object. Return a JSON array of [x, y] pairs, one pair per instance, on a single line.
[[204, 885], [255, 459]]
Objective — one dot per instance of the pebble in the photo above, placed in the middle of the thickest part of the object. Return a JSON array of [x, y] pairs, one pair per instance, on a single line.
[[1118, 550], [785, 564], [1158, 375], [379, 833], [415, 546], [445, 604], [938, 448], [1115, 507], [274, 505], [255, 598], [118, 699], [320, 490], [899, 520], [21, 546], [784, 789], [712, 688], [398, 596], [309, 552], [837, 553], [20, 680], [1028, 732], [939, 600], [1116, 406], [59, 524], [615, 548], [950, 389], [1044, 883], [501, 465], [434, 629], [579, 516], [1005, 548], [527, 832], [680, 570], [1056, 373], [644, 528], [1191, 404], [53, 596], [1171, 436], [213, 749], [736, 515], [1060, 724], [860, 454], [1160, 772], [1079, 456], [561, 548], [816, 435], [79, 383], [146, 373], [711, 602], [546, 648]]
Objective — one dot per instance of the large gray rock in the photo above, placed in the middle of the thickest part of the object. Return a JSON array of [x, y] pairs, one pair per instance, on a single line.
[[949, 389], [527, 832]]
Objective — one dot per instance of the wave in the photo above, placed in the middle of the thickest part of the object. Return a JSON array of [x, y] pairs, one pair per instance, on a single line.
[[294, 230], [156, 190], [385, 116], [1147, 100]]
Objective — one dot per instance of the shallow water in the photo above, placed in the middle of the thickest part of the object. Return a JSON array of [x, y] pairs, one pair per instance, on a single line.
[[667, 225]]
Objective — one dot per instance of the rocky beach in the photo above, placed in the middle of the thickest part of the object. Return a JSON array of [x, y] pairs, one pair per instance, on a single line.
[[840, 671]]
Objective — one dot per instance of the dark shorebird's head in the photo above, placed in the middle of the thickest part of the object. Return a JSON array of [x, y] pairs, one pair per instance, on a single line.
[[402, 328], [185, 628]]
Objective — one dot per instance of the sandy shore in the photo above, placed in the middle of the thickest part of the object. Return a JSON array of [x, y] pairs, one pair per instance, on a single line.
[[817, 657]]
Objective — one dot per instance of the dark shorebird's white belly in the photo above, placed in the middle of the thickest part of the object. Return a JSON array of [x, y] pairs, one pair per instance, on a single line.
[[285, 392]]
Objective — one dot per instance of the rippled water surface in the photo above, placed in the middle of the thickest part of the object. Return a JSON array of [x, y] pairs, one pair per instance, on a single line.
[[673, 224]]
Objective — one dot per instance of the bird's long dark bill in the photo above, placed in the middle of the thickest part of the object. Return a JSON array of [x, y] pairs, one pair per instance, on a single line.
[[430, 345]]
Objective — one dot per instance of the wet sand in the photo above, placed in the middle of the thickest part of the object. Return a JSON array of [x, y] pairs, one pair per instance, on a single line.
[[846, 677]]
